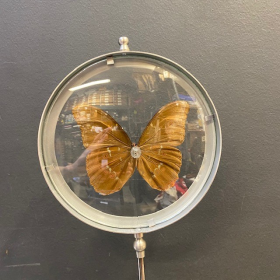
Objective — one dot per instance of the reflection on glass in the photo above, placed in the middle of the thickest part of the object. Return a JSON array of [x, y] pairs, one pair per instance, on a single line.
[[132, 97]]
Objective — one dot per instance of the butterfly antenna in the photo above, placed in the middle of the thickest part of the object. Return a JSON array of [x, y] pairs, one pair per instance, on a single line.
[[140, 246]]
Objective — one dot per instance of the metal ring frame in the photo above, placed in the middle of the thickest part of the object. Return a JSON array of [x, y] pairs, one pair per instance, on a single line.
[[180, 214]]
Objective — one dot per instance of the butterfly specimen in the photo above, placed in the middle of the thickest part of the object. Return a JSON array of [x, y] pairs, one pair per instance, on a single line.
[[112, 157]]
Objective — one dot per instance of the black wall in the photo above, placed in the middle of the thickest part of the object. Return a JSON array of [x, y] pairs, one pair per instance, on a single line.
[[232, 47]]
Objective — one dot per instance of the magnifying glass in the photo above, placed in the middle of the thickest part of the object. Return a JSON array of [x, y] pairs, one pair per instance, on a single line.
[[129, 142]]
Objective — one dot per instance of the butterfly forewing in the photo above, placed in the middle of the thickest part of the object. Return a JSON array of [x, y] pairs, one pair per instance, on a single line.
[[167, 126], [109, 163], [93, 120]]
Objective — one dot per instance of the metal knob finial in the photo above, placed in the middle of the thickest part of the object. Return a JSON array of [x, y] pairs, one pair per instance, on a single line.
[[139, 245], [123, 42]]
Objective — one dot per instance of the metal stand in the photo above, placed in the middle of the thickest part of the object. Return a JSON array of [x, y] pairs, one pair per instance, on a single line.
[[140, 246]]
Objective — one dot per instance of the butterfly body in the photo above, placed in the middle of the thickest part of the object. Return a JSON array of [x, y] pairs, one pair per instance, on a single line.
[[112, 157], [135, 152]]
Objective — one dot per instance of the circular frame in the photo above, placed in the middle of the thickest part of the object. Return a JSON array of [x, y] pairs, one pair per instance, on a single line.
[[149, 225]]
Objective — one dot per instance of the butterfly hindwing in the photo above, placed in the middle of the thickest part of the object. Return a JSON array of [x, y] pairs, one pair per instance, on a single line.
[[109, 163], [109, 168], [159, 165]]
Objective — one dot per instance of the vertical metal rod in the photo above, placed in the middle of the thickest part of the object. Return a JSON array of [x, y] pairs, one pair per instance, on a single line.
[[140, 246], [141, 269]]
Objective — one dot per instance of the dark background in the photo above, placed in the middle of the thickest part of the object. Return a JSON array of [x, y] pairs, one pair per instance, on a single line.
[[232, 48]]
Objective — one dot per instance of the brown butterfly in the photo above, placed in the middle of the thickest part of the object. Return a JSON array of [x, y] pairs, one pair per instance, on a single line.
[[112, 157]]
